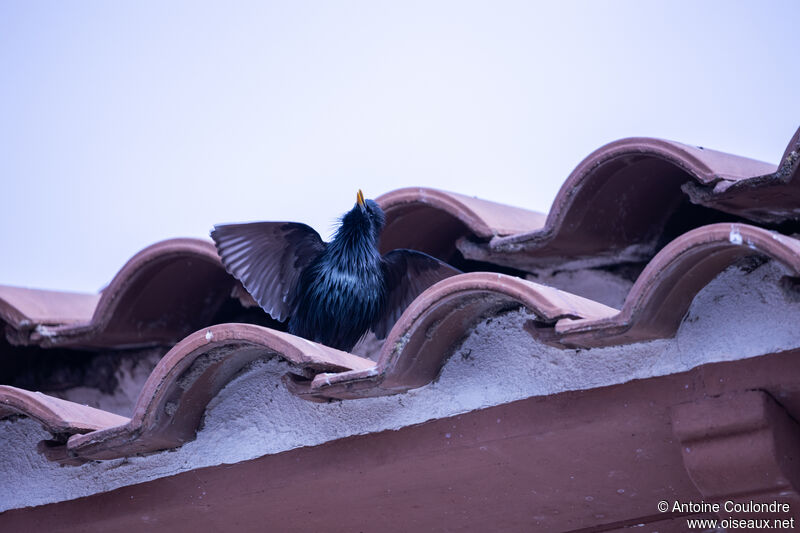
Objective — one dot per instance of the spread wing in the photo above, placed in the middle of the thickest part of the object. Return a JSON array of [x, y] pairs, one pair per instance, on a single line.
[[268, 257], [407, 273]]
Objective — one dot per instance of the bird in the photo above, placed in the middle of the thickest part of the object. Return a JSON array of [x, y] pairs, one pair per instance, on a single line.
[[332, 293]]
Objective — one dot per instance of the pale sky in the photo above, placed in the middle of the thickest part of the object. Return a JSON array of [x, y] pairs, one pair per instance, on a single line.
[[125, 123]]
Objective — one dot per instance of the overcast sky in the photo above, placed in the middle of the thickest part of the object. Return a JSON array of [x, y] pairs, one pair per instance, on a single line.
[[125, 123]]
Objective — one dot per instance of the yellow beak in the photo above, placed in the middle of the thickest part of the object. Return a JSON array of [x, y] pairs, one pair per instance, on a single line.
[[360, 198]]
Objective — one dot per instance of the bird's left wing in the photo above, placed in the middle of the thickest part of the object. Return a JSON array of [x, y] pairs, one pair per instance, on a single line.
[[268, 257], [407, 273]]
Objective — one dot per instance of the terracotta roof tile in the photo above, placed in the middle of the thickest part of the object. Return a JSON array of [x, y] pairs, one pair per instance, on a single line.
[[614, 207], [432, 326], [173, 400], [773, 197], [659, 299], [617, 202], [59, 417], [412, 211], [23, 308], [161, 294]]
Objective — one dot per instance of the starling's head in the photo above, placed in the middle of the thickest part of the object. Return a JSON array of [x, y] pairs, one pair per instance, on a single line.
[[366, 217]]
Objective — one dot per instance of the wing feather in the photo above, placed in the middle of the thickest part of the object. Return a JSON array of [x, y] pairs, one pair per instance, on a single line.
[[268, 257], [407, 273]]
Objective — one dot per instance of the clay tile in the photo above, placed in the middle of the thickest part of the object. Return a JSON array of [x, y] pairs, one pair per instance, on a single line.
[[772, 197], [412, 212], [57, 416], [161, 294], [24, 308], [614, 204], [661, 296], [171, 404], [435, 323]]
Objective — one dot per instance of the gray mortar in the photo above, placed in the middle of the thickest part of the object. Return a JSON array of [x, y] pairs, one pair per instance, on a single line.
[[597, 285], [130, 376], [738, 315]]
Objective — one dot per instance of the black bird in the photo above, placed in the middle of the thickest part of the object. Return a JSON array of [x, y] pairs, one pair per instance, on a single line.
[[331, 293]]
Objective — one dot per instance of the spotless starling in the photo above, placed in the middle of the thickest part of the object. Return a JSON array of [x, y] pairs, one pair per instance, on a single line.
[[332, 293]]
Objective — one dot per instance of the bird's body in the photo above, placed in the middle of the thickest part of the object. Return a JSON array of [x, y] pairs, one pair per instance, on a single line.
[[346, 280], [332, 293]]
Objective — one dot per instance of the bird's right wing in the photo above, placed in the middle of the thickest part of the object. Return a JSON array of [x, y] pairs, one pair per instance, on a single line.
[[268, 257]]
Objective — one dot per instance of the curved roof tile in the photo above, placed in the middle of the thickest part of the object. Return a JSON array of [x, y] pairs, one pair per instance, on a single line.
[[616, 200], [614, 205], [59, 417], [161, 294], [172, 402], [661, 296], [433, 325], [411, 213], [771, 198], [23, 308]]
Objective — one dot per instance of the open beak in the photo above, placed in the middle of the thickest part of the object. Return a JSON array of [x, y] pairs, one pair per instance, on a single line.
[[360, 199]]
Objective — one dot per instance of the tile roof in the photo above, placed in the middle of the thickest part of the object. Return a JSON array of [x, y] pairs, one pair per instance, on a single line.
[[551, 464], [659, 299], [59, 417], [24, 309], [161, 294], [624, 199], [684, 214], [431, 328], [412, 211], [772, 197], [174, 397]]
